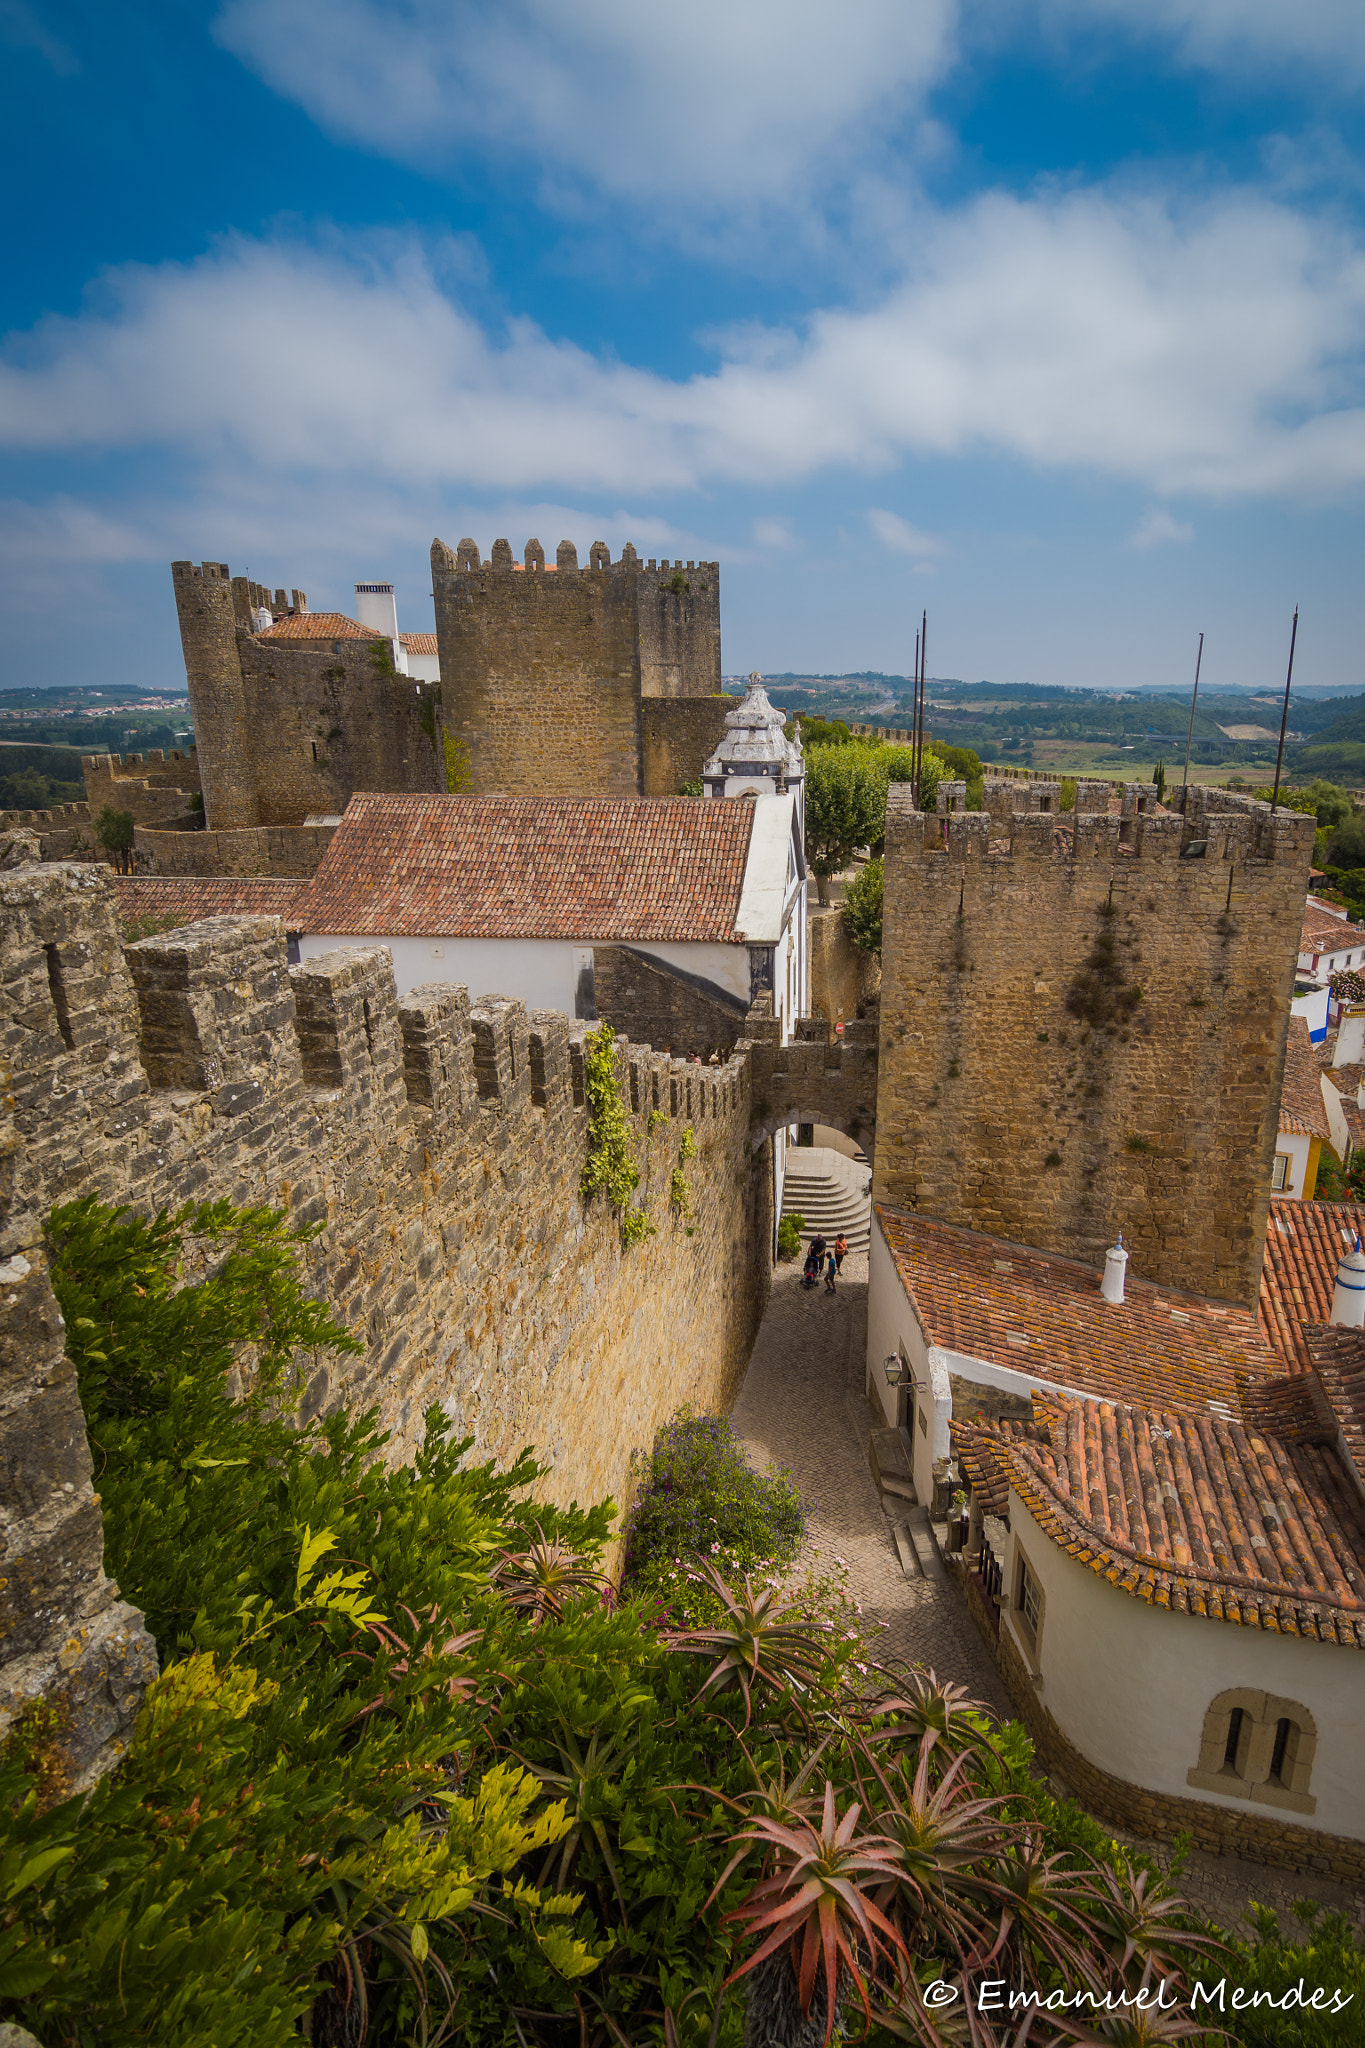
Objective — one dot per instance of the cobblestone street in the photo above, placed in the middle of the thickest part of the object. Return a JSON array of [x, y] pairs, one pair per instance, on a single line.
[[802, 1405]]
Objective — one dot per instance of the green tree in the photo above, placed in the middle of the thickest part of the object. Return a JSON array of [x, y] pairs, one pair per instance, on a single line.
[[862, 909], [1347, 849], [114, 831], [845, 808], [25, 791], [1159, 778]]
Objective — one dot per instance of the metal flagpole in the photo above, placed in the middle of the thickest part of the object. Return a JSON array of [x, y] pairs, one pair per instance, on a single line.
[[1284, 715], [1190, 734]]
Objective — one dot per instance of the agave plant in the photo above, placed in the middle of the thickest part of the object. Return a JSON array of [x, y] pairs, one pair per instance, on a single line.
[[430, 1638], [1131, 1925], [547, 1578], [821, 1902], [757, 1642], [927, 1709]]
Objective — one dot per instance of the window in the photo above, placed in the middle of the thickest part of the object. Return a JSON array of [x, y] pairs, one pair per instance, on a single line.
[[1030, 1600], [1279, 1177], [1258, 1747]]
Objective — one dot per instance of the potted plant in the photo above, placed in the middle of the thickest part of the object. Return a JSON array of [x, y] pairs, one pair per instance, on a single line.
[[957, 1521]]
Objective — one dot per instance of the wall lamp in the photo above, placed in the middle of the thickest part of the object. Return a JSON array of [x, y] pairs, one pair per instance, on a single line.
[[897, 1371]]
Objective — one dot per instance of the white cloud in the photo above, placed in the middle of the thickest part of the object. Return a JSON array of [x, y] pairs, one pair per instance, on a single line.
[[1232, 35], [21, 28], [1211, 350], [902, 539], [774, 533], [1157, 527], [716, 106]]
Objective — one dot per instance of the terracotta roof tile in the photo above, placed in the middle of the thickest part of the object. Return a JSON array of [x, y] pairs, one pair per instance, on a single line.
[[589, 868], [1301, 1106], [1304, 1244], [1338, 1357], [419, 643], [318, 626], [172, 900], [1323, 933], [1044, 1316], [1203, 1514]]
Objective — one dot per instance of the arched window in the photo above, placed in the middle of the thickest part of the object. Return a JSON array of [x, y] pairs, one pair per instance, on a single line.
[[1257, 1746]]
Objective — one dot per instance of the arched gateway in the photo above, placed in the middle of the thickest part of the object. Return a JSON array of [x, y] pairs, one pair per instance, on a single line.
[[820, 1076]]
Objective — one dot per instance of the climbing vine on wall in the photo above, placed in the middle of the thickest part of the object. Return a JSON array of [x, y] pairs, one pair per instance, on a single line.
[[459, 780], [679, 1194], [610, 1169]]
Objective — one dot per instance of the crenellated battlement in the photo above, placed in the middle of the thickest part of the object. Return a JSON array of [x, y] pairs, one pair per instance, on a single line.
[[439, 1143], [561, 678], [466, 560], [1085, 1020]]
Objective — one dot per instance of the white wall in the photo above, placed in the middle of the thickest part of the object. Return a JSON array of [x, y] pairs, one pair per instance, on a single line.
[[1130, 1684], [541, 972], [893, 1328], [426, 667], [1313, 1009], [1297, 1148]]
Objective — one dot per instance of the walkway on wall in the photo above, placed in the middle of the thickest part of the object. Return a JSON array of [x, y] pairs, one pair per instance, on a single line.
[[802, 1405]]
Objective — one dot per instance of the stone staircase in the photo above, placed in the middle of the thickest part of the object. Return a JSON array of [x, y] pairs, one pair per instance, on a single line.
[[831, 1192]]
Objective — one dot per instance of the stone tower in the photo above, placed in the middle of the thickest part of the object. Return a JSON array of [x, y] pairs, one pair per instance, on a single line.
[[1083, 1026], [600, 681], [295, 710]]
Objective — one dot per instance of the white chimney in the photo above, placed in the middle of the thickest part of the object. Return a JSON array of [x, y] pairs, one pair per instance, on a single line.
[[374, 607], [1350, 1045], [1115, 1262], [1348, 1296]]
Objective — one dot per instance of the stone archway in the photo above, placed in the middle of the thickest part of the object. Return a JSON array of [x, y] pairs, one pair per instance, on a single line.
[[820, 1076]]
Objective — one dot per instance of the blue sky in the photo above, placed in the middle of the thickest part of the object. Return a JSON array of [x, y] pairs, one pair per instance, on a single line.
[[1047, 315]]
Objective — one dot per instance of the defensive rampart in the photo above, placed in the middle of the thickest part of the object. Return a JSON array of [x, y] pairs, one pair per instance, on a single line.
[[158, 788], [256, 850], [287, 728], [566, 680], [1083, 1028], [439, 1143]]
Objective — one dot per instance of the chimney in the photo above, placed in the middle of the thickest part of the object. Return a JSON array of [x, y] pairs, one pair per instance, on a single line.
[[1350, 1045], [1348, 1296], [1115, 1261], [375, 607]]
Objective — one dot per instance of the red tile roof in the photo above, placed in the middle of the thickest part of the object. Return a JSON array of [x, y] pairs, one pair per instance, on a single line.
[[1323, 933], [164, 902], [1207, 1516], [588, 868], [1338, 1357], [419, 643], [1038, 1314], [1304, 1244], [1302, 1111], [318, 626]]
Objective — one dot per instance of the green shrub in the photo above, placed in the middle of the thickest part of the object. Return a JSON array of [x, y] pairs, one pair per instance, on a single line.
[[700, 1498], [789, 1236], [861, 910], [1329, 1954]]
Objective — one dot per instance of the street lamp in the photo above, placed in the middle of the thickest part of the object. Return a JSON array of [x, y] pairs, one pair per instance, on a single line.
[[896, 1370]]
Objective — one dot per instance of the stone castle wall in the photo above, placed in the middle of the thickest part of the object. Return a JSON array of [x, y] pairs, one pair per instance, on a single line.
[[661, 1006], [256, 850], [1010, 1102], [440, 1144], [287, 728], [62, 833], [678, 736], [551, 676], [156, 787]]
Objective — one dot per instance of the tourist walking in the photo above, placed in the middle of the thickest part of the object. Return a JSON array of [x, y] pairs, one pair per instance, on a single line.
[[831, 1271], [840, 1251], [818, 1249]]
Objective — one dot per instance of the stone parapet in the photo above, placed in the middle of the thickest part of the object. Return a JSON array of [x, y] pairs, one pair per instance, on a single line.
[[438, 1142]]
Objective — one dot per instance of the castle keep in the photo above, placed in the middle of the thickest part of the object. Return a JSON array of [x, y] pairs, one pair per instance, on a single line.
[[1083, 1029], [293, 711], [603, 681]]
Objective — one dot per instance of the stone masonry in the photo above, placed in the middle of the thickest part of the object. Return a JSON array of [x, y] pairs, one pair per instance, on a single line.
[[158, 788], [600, 681], [285, 729], [440, 1144], [1083, 1031]]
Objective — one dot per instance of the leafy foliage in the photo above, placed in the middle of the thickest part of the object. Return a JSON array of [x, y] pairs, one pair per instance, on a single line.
[[1328, 1953], [114, 830], [789, 1236], [700, 1497], [862, 908], [610, 1169], [411, 1774], [845, 808]]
